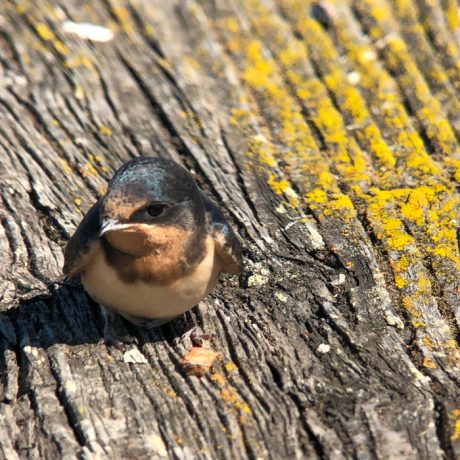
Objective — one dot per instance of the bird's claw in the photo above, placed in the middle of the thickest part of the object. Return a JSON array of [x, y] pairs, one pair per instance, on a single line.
[[196, 335], [119, 342], [110, 335]]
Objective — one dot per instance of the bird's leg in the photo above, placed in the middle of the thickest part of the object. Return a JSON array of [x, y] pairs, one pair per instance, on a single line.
[[194, 332], [110, 335]]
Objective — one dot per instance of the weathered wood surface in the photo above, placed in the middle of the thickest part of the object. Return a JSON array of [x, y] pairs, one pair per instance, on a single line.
[[329, 133]]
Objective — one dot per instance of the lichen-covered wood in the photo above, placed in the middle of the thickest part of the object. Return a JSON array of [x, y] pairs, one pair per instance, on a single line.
[[328, 132]]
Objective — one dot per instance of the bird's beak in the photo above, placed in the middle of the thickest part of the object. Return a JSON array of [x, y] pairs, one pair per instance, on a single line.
[[110, 225]]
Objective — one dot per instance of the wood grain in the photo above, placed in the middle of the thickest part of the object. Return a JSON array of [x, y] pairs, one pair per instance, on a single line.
[[328, 133]]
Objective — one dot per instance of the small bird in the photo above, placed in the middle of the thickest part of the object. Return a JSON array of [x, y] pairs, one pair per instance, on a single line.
[[152, 247]]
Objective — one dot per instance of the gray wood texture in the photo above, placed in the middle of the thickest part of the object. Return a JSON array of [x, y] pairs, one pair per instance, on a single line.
[[328, 134]]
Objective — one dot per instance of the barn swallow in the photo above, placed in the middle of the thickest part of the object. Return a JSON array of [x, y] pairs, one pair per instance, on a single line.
[[152, 247]]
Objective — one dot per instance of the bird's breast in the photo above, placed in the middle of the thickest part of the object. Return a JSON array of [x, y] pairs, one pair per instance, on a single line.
[[151, 299]]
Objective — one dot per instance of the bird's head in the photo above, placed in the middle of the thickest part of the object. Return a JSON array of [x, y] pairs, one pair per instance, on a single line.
[[150, 205]]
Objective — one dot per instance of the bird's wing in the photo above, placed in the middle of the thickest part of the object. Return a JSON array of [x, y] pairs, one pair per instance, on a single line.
[[228, 248], [83, 243]]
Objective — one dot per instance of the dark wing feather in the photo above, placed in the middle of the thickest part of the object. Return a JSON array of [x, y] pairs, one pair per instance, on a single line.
[[81, 246], [228, 247]]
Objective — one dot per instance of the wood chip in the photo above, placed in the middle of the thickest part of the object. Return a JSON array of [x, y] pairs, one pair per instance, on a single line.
[[198, 361], [134, 356]]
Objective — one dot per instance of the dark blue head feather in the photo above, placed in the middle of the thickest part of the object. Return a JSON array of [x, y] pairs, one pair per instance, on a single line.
[[157, 178], [147, 180]]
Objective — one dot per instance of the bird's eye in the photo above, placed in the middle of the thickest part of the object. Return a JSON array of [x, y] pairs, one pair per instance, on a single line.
[[156, 209]]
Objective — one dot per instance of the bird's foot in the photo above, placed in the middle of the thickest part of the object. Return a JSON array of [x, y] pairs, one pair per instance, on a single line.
[[110, 335], [118, 341], [196, 335]]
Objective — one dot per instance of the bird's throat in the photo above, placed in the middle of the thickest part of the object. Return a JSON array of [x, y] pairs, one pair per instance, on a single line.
[[142, 240]]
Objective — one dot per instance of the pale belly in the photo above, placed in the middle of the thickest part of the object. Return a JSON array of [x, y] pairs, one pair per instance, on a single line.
[[147, 300]]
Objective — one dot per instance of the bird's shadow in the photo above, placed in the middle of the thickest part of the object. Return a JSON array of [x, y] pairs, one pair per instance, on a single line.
[[66, 315]]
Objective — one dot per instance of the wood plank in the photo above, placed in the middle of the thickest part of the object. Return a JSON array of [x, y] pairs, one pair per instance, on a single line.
[[328, 133]]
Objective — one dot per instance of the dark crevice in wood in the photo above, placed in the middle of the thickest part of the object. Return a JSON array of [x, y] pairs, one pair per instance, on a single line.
[[324, 256], [21, 386], [259, 397], [17, 56], [6, 225], [153, 44], [341, 335], [31, 263], [276, 373], [441, 421], [32, 107], [51, 226], [23, 383], [431, 37], [67, 408], [155, 104], [242, 186], [69, 104], [316, 442], [107, 95]]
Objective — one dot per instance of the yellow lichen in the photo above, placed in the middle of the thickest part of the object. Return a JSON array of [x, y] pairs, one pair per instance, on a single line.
[[78, 61], [65, 166], [60, 47], [262, 152], [455, 414], [218, 378], [428, 343], [231, 397], [44, 32], [230, 367], [124, 19], [88, 170], [169, 392], [428, 363], [105, 130], [416, 324], [452, 14], [278, 186]]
